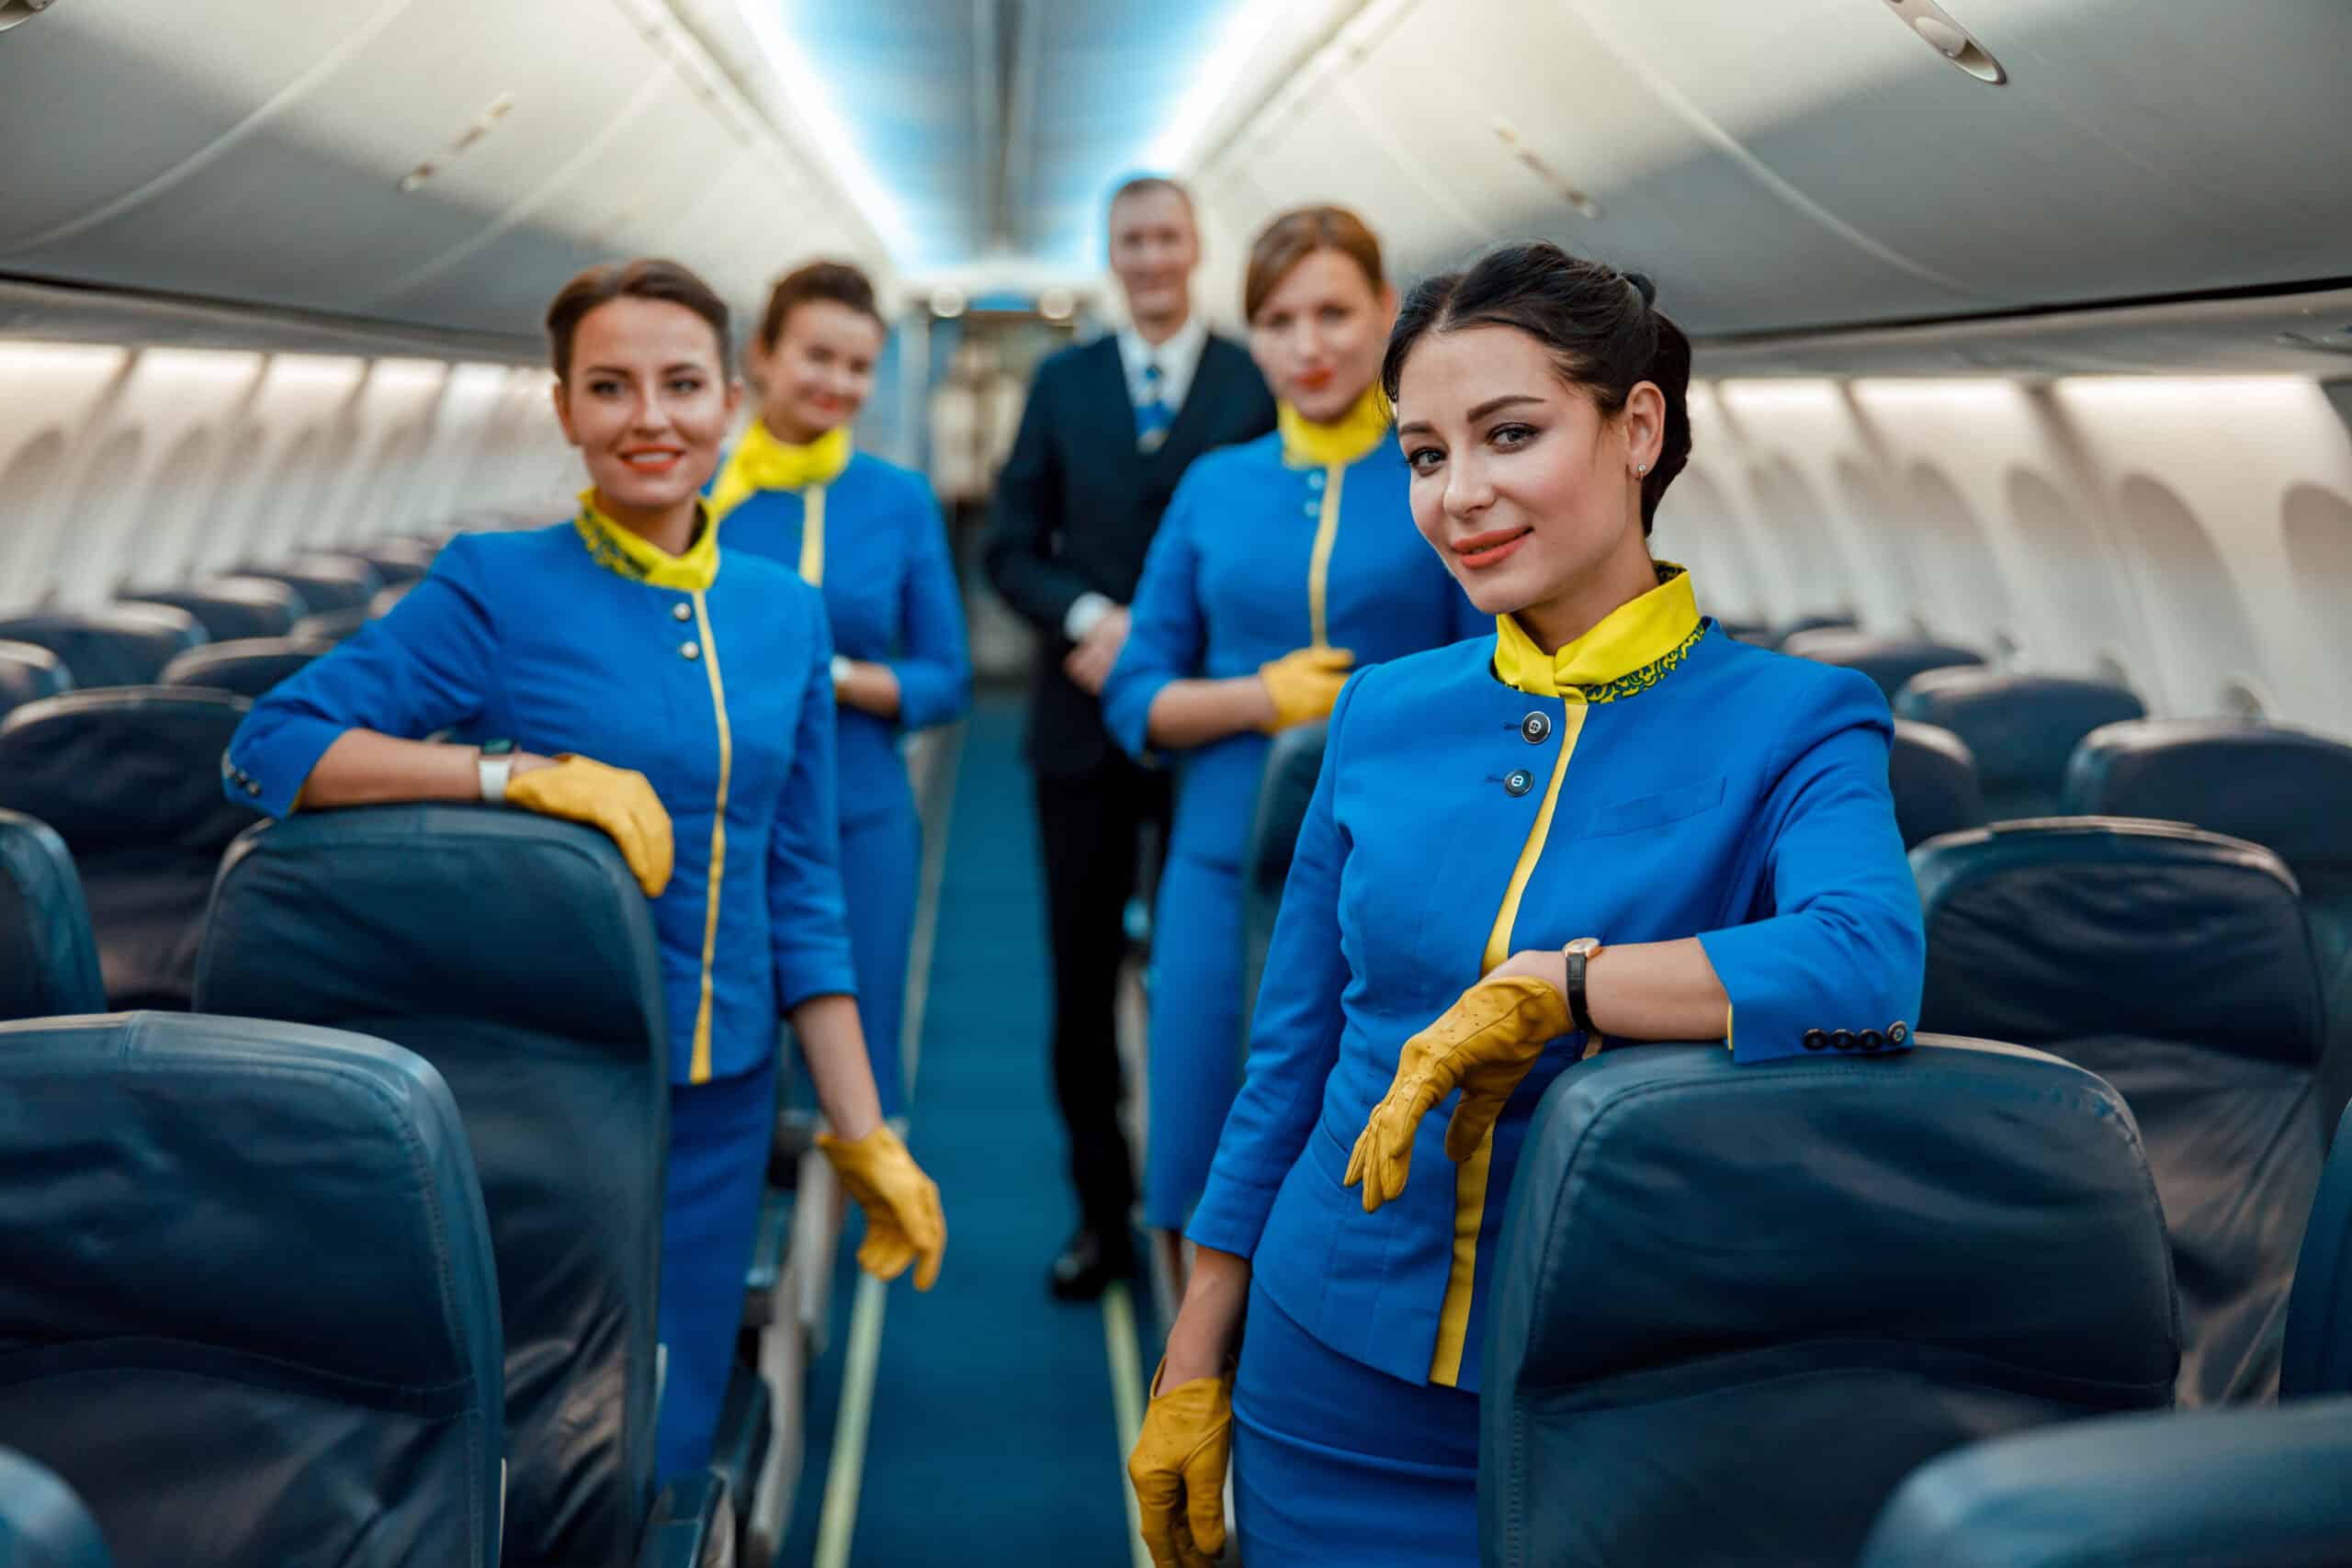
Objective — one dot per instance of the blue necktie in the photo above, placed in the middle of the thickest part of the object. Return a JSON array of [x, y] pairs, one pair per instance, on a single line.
[[1153, 415]]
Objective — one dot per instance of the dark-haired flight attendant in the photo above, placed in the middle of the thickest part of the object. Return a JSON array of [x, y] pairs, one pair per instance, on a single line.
[[867, 533], [1281, 564], [1605, 822], [680, 699]]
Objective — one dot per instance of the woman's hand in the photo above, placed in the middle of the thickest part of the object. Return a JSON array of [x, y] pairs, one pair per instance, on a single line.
[[1178, 1470], [1303, 684], [866, 687], [903, 1223], [1483, 1044], [617, 800]]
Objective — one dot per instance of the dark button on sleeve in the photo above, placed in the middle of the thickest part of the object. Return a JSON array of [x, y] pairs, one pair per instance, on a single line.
[[1898, 1032], [1842, 1039], [1814, 1040]]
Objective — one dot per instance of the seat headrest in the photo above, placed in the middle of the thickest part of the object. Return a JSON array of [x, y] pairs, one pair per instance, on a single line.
[[48, 961], [333, 626], [2072, 928], [1933, 775], [42, 1523], [1669, 1204], [30, 673], [230, 607], [442, 910], [325, 581], [2281, 787], [248, 667], [114, 645], [132, 767], [1293, 763], [1889, 660], [2022, 727], [2318, 1355], [399, 560], [1836, 621]]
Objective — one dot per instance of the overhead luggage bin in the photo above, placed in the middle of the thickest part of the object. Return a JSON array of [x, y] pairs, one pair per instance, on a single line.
[[1933, 775], [326, 583], [1293, 761], [130, 779], [30, 673], [1734, 1306], [1889, 660], [2021, 729], [229, 608], [261, 1326], [42, 1523], [115, 644], [2177, 965], [248, 667], [49, 961]]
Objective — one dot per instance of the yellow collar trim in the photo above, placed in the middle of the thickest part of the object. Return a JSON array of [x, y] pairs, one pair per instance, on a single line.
[[1631, 650], [761, 462], [1306, 444], [619, 551]]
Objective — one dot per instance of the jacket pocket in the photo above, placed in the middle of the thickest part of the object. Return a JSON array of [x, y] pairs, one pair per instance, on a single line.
[[1655, 810]]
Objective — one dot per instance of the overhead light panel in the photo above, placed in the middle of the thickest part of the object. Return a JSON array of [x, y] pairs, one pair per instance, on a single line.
[[807, 97], [485, 123]]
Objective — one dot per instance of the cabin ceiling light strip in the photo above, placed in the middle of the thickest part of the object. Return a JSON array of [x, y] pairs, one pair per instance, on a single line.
[[1507, 134], [1949, 38], [485, 123], [808, 100]]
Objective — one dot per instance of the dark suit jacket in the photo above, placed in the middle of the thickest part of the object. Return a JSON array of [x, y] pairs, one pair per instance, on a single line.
[[1076, 505]]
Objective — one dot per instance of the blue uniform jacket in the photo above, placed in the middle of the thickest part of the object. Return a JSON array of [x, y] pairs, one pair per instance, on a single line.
[[1721, 792], [526, 637], [1230, 583], [890, 594]]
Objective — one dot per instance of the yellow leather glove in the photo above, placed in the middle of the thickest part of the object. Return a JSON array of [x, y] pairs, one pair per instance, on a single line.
[[1178, 1471], [617, 800], [903, 1223], [1303, 682], [1483, 1044]]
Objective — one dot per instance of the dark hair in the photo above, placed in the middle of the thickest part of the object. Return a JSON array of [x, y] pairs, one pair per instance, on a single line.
[[1148, 185], [647, 277], [1299, 234], [1602, 326], [837, 281]]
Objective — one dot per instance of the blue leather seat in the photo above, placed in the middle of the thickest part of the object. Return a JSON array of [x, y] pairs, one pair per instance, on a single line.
[[2319, 1311], [49, 961], [1779, 636], [249, 666], [2177, 965], [131, 780], [399, 560], [326, 583], [1293, 763], [42, 1523], [230, 608], [515, 954], [1734, 1306], [115, 644], [249, 1313], [1933, 774], [334, 626], [1889, 660], [28, 673], [2022, 727]]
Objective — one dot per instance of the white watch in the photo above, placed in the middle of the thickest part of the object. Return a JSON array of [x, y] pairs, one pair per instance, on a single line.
[[841, 669], [493, 772]]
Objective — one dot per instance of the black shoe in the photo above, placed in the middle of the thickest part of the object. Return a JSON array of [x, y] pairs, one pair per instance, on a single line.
[[1089, 1262]]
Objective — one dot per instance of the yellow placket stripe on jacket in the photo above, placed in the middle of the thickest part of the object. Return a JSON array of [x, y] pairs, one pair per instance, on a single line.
[[813, 537], [1332, 448], [1319, 565], [699, 1072]]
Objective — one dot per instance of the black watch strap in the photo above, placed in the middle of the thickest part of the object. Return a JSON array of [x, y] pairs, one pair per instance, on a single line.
[[1576, 953]]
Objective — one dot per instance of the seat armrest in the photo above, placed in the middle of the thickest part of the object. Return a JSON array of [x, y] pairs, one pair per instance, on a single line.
[[693, 1526]]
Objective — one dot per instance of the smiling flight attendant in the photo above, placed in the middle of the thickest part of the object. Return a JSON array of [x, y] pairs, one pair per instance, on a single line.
[[867, 535], [701, 688], [1607, 820], [1280, 563]]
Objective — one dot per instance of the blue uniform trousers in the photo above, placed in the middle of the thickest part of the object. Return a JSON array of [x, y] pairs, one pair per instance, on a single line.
[[881, 860], [719, 1135], [1195, 1056], [1334, 1462]]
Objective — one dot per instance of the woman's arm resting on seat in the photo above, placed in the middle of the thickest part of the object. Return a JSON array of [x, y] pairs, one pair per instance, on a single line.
[[1643, 991], [363, 768]]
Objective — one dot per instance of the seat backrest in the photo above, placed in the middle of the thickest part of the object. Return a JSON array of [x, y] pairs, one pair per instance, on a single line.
[[42, 1523], [131, 780], [1933, 775], [1779, 636], [1889, 660], [515, 954], [326, 583], [30, 673], [334, 626], [233, 607], [115, 644], [2319, 1310], [1293, 760], [249, 1313], [2175, 964], [1734, 1306], [2248, 1489], [249, 666], [399, 560], [48, 961], [2022, 727]]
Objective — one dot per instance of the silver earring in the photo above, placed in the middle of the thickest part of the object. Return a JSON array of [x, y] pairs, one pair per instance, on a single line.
[[1641, 470]]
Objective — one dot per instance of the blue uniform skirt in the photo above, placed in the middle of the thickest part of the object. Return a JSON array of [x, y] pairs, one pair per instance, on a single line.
[[719, 1135], [1194, 1058], [881, 861], [1335, 1462]]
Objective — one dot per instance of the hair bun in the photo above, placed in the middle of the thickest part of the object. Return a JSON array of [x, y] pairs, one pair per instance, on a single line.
[[1643, 286]]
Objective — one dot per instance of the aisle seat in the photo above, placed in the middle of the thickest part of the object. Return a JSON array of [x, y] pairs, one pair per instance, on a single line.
[[249, 1298], [326, 583], [2176, 964], [336, 625], [2021, 729], [1835, 620], [515, 954], [1933, 775], [113, 645], [249, 666], [232, 607], [399, 560], [1889, 660], [1734, 1306], [43, 1524], [28, 673], [48, 960], [130, 779]]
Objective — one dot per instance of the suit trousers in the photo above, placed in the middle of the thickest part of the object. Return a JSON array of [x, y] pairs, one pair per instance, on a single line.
[[1091, 827]]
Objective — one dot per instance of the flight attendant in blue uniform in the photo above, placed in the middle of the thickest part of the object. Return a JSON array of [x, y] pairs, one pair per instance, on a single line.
[[1606, 821], [680, 700], [867, 535], [1282, 563]]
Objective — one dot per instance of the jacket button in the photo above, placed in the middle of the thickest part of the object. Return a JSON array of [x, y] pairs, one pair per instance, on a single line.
[[1535, 729], [1519, 780], [689, 650], [1313, 508], [1869, 1040], [1842, 1039], [682, 611], [1814, 1040], [1315, 479], [1897, 1032], [252, 787]]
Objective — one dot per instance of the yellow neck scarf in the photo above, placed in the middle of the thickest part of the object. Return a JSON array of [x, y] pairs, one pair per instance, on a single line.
[[1306, 444], [1631, 650], [761, 462], [618, 550]]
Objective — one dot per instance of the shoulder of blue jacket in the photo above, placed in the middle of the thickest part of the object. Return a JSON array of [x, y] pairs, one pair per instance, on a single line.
[[1784, 683], [892, 482], [1430, 674]]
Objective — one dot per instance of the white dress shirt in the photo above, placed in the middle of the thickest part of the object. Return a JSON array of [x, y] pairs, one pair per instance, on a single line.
[[1178, 358]]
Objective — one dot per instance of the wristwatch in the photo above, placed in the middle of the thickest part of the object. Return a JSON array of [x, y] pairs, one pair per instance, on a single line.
[[494, 760], [841, 669], [1578, 953]]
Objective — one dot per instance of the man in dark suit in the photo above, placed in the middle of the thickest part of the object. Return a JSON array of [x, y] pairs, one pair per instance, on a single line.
[[1110, 428]]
